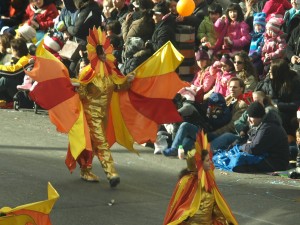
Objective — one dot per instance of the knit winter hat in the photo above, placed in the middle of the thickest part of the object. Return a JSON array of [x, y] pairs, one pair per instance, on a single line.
[[259, 18], [226, 59], [133, 45], [275, 23], [298, 114], [27, 32], [53, 44], [201, 54], [256, 110]]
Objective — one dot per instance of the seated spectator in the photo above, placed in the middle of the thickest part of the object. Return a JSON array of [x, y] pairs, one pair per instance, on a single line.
[[205, 76], [134, 54], [266, 149], [228, 139], [206, 31], [236, 105], [28, 33], [233, 31], [5, 51], [66, 17], [218, 115], [257, 41], [245, 70], [277, 7], [164, 28], [16, 13], [12, 75], [274, 42], [228, 71], [283, 86], [40, 15]]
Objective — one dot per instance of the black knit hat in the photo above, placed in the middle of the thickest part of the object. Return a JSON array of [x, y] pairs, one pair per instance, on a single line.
[[256, 110]]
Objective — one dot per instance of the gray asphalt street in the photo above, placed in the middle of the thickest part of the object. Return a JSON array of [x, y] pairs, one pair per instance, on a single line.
[[32, 153]]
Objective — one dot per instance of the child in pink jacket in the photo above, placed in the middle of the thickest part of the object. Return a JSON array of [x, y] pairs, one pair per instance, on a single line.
[[234, 33], [205, 77], [274, 42]]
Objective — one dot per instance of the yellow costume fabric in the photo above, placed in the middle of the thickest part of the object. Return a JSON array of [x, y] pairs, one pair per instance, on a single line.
[[95, 97]]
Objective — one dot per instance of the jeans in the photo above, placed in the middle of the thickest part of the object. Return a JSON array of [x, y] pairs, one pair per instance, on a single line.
[[185, 136], [223, 141]]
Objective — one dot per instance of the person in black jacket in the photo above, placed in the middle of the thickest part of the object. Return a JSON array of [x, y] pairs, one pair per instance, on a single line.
[[88, 16], [293, 49], [164, 27], [283, 86], [266, 138]]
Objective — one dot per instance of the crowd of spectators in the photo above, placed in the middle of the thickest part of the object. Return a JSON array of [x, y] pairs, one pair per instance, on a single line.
[[248, 45]]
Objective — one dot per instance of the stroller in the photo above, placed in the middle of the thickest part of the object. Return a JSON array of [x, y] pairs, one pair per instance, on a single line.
[[22, 99]]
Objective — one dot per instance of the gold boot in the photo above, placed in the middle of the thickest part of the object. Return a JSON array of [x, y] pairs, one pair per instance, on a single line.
[[87, 175]]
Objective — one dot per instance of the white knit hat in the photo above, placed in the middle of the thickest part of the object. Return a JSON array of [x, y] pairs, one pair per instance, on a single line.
[[275, 23], [52, 44], [298, 114], [27, 32]]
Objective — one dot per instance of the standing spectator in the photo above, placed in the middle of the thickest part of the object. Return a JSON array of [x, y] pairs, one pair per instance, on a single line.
[[194, 20], [88, 16], [119, 12], [206, 31], [164, 27], [244, 70], [293, 49], [143, 25], [291, 18], [276, 7], [233, 31]]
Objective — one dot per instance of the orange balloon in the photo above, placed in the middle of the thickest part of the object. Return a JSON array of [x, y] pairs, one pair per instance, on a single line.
[[185, 7]]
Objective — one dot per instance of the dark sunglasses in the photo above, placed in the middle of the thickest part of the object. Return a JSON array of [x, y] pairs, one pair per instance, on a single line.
[[238, 62]]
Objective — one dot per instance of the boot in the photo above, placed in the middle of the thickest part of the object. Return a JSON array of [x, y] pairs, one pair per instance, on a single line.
[[87, 175]]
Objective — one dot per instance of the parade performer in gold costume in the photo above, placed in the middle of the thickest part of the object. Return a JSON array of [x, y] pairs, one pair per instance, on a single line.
[[197, 199], [97, 82]]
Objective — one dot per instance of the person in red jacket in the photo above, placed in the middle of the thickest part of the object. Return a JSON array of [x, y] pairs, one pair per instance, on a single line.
[[276, 7], [40, 15]]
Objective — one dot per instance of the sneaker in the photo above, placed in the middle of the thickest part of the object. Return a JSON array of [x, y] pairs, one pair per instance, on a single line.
[[88, 175], [114, 181], [170, 152]]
